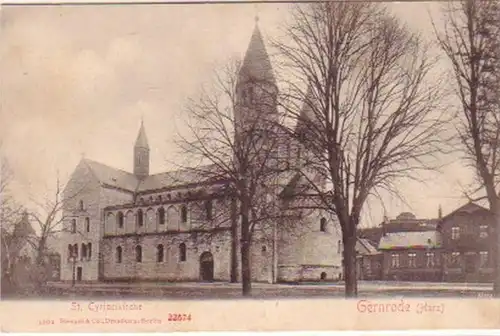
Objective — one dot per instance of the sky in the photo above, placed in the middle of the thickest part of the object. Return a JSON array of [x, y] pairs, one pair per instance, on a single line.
[[77, 80]]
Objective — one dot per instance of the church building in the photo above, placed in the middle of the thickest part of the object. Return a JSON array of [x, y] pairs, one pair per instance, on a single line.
[[176, 226]]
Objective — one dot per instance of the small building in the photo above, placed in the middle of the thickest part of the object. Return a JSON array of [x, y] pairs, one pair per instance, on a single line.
[[369, 261], [468, 239], [411, 256]]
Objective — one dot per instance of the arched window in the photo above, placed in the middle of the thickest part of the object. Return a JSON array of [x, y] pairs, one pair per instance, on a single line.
[[81, 205], [169, 196], [323, 275], [182, 252], [89, 251], [73, 225], [208, 209], [140, 218], [119, 254], [159, 198], [84, 251], [161, 216], [75, 250], [184, 215], [138, 253], [87, 224], [322, 224], [119, 219], [339, 247], [264, 248], [141, 200], [150, 199], [159, 253]]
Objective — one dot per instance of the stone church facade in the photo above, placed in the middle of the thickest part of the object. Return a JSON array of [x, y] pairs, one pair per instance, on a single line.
[[175, 226]]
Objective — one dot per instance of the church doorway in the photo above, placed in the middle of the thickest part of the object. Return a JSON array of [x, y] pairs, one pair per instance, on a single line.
[[79, 273], [206, 266]]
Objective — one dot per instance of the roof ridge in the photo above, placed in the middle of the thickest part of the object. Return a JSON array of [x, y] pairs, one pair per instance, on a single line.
[[108, 166]]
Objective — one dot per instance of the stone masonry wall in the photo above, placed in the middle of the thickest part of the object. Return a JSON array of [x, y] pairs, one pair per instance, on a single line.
[[172, 268]]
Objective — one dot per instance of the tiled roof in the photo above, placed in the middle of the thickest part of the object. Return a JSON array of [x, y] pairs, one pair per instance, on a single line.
[[363, 246], [468, 208], [178, 178], [124, 180], [422, 239], [112, 176]]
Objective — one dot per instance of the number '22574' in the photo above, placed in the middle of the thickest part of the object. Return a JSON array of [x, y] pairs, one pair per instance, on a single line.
[[179, 317]]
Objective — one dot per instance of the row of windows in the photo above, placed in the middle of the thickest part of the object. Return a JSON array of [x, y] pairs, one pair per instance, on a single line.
[[160, 198], [431, 261], [160, 253], [160, 215], [455, 258], [412, 260], [87, 225], [455, 232], [86, 251]]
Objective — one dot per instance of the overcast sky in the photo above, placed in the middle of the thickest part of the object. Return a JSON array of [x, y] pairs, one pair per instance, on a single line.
[[77, 79]]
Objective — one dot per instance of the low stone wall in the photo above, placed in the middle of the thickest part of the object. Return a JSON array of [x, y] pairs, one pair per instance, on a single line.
[[309, 273]]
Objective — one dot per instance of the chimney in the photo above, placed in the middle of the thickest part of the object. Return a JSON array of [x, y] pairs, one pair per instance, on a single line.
[[440, 212], [384, 225]]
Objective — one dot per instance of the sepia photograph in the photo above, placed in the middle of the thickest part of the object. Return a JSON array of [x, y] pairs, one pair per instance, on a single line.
[[270, 151]]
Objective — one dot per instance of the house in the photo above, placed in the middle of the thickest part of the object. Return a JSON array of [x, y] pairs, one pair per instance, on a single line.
[[468, 240], [411, 256]]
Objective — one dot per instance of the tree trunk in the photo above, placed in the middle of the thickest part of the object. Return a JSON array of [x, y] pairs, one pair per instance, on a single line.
[[351, 285], [246, 274], [234, 242], [496, 254]]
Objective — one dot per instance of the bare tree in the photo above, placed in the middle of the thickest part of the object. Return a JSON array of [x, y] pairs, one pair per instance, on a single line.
[[49, 223], [359, 91], [10, 215], [230, 129], [470, 38]]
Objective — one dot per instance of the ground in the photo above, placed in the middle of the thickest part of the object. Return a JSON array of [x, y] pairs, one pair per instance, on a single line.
[[192, 291]]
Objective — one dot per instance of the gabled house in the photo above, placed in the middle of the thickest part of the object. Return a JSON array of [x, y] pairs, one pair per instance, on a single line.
[[411, 256], [468, 239]]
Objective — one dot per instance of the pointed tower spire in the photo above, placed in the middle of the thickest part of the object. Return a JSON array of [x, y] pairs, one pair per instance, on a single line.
[[141, 153], [307, 116], [440, 212], [256, 64], [142, 139]]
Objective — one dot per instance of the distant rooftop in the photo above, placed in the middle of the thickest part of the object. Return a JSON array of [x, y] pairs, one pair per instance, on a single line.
[[410, 240]]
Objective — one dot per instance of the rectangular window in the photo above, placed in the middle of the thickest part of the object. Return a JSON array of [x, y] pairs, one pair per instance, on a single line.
[[412, 260], [455, 232], [430, 259], [483, 231], [368, 266], [395, 260], [483, 255]]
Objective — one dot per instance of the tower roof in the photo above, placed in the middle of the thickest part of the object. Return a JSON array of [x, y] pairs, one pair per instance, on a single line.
[[256, 64], [307, 116], [142, 139]]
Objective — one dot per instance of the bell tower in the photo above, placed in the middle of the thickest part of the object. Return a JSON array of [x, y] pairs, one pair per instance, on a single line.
[[141, 154], [256, 88]]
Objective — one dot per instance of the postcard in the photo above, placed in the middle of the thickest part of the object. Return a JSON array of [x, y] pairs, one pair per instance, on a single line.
[[235, 166]]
